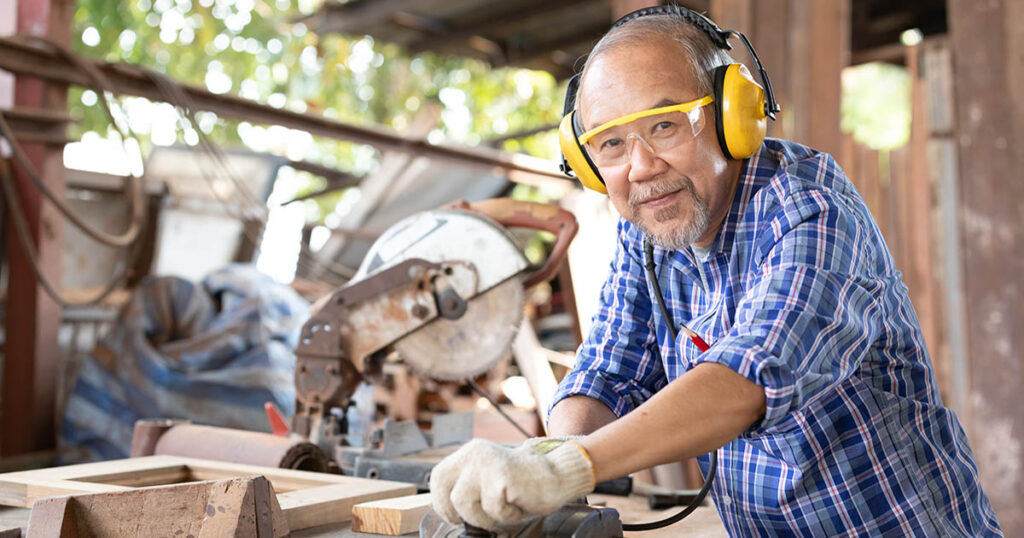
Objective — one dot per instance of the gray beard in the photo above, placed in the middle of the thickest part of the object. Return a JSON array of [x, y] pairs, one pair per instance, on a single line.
[[690, 232]]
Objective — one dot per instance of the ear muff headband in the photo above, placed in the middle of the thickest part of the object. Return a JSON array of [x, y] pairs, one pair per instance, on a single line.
[[575, 157]]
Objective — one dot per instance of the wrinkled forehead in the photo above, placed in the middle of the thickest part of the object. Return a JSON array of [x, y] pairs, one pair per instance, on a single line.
[[631, 78]]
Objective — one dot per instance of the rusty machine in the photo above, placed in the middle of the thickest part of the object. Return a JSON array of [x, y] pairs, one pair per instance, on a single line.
[[444, 289]]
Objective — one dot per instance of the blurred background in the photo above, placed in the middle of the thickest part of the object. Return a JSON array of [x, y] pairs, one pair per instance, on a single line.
[[287, 135]]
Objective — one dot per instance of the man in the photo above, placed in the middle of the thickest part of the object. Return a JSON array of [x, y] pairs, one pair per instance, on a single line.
[[817, 390]]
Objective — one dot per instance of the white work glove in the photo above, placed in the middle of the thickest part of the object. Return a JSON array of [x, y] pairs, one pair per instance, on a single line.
[[487, 484]]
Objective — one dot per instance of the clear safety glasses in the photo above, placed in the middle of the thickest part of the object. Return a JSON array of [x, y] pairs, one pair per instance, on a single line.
[[659, 129]]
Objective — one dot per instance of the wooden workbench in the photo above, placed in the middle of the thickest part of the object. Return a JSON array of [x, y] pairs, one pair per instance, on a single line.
[[703, 522]]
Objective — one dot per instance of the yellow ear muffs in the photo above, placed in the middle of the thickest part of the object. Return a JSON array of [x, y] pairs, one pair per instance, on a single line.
[[576, 157], [740, 119]]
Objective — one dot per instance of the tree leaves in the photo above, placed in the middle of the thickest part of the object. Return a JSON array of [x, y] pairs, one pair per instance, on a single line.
[[254, 50]]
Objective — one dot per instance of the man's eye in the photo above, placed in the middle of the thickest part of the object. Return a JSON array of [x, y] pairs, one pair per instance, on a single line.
[[663, 126], [610, 144]]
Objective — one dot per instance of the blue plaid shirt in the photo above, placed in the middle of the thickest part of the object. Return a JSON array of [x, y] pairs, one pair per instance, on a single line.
[[800, 295]]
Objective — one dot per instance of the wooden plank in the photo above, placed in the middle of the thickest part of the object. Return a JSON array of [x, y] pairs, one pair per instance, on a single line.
[[394, 517], [770, 29], [829, 53], [228, 508], [533, 363], [942, 154], [51, 518], [332, 504], [796, 119], [306, 498], [917, 211]]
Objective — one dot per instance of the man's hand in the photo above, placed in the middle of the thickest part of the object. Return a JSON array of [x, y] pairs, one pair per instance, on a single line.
[[486, 484]]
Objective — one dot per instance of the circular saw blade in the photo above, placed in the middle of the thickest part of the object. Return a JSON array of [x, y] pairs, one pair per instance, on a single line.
[[469, 346]]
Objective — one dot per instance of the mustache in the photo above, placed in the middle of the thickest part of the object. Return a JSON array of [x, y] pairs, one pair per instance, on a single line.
[[657, 190]]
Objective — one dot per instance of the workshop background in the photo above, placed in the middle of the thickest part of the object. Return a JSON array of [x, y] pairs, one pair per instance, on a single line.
[[276, 139]]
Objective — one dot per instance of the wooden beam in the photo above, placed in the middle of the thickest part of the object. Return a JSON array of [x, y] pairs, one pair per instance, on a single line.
[[393, 517], [916, 213], [39, 61], [8, 26], [986, 40], [770, 37], [492, 17], [355, 17], [32, 317], [829, 43], [580, 35], [334, 177], [532, 360], [622, 7]]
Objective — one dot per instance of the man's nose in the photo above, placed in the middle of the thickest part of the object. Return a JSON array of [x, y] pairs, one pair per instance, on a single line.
[[643, 161]]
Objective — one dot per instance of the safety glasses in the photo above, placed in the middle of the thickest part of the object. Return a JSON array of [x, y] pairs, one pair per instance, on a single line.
[[659, 129]]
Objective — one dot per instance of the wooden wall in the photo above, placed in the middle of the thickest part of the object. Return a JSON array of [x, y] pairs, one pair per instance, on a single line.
[[988, 72], [950, 203], [804, 46]]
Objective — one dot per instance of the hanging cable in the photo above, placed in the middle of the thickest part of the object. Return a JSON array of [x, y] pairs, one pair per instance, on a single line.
[[709, 479], [21, 231], [183, 104], [134, 184], [476, 388], [125, 241]]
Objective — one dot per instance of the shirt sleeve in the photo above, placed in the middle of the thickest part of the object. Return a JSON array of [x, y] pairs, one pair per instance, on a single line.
[[618, 363], [810, 312]]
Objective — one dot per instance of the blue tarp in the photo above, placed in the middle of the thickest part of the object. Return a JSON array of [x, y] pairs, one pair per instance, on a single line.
[[212, 353]]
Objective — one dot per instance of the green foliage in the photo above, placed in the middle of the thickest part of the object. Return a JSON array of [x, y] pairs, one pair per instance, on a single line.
[[876, 105], [257, 50]]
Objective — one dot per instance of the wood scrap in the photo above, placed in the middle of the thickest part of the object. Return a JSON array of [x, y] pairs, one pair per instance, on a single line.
[[393, 517], [238, 507]]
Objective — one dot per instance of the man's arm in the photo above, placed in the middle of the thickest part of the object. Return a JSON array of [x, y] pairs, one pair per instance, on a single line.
[[578, 415], [702, 410]]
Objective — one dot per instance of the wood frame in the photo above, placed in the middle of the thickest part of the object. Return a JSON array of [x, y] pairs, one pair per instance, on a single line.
[[307, 499]]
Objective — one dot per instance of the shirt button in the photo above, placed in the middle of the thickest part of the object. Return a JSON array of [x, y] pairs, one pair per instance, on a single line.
[[726, 500]]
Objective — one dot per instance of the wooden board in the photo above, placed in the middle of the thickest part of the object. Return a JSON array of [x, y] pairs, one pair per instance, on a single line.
[[306, 498], [238, 507], [395, 516]]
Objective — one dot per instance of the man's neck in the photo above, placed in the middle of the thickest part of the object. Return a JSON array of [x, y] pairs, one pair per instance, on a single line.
[[732, 174]]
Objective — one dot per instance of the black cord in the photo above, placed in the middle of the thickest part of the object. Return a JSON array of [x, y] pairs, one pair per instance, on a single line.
[[476, 388], [653, 279]]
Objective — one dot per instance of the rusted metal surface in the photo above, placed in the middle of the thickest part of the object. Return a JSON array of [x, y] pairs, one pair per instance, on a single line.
[[24, 59], [535, 216], [31, 351], [351, 324]]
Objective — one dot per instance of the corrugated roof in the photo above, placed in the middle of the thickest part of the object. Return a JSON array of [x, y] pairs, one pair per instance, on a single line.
[[552, 35]]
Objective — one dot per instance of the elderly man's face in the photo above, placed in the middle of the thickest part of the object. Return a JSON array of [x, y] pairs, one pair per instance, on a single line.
[[678, 196]]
